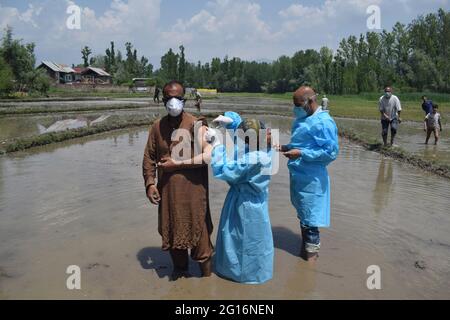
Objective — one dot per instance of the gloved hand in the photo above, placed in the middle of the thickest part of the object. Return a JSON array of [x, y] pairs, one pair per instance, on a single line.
[[222, 121], [211, 137]]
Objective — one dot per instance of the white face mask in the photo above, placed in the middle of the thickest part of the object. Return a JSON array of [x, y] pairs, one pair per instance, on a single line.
[[174, 107]]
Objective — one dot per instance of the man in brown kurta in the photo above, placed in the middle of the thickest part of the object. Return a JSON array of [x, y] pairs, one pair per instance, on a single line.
[[179, 188]]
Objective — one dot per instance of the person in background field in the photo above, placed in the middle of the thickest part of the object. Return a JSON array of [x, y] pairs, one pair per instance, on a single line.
[[431, 123], [198, 100], [156, 95], [427, 105], [313, 146], [324, 103], [390, 109], [179, 188]]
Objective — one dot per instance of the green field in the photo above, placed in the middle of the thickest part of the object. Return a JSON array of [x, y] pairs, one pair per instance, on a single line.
[[365, 106]]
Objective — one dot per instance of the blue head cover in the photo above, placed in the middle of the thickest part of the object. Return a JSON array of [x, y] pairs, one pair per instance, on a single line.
[[236, 120]]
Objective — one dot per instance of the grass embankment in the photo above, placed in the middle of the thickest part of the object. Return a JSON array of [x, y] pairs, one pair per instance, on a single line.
[[96, 94], [7, 102], [365, 105], [59, 109], [113, 92], [14, 109], [53, 137], [373, 144]]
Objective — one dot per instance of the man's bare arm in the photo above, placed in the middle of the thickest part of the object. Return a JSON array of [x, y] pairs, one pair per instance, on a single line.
[[201, 159]]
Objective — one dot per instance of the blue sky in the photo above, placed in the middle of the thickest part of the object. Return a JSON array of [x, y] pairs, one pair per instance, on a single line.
[[250, 29]]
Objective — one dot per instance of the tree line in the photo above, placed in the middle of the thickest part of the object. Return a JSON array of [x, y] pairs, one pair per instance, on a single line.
[[413, 57]]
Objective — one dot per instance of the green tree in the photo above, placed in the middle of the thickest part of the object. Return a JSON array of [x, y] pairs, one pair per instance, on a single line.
[[6, 78], [421, 64], [20, 57], [38, 81], [169, 65], [182, 65], [85, 53]]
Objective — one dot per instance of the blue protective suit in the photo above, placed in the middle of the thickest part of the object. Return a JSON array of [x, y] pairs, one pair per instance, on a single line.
[[244, 246], [316, 136]]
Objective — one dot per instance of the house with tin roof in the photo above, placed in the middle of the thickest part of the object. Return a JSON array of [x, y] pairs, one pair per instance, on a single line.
[[63, 74], [96, 75], [60, 73]]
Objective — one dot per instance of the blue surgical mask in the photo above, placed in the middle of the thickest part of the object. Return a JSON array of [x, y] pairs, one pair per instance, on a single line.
[[300, 112]]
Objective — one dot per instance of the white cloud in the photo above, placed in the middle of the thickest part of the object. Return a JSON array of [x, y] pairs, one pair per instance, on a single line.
[[299, 10], [331, 13], [133, 20], [227, 20], [223, 27], [11, 15], [121, 20]]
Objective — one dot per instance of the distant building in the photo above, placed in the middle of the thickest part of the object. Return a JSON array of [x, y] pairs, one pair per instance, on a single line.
[[140, 85], [96, 75], [63, 74], [78, 74], [58, 72]]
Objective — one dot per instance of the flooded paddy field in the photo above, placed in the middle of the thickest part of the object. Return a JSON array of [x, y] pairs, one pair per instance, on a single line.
[[25, 125], [82, 202], [410, 135], [19, 126]]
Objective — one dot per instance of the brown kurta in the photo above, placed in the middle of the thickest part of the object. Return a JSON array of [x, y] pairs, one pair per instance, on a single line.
[[184, 206]]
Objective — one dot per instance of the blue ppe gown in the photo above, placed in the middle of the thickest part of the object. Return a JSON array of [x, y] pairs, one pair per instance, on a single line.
[[244, 246], [317, 138]]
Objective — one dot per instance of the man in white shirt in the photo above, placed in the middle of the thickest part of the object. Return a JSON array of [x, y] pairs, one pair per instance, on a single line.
[[390, 108]]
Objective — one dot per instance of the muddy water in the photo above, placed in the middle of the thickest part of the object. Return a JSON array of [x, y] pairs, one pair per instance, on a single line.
[[82, 203]]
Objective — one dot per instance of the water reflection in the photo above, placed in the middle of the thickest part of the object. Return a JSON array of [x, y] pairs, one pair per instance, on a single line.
[[383, 185], [431, 152]]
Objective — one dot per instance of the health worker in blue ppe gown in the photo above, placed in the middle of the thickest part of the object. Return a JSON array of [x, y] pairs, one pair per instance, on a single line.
[[244, 247], [313, 145]]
